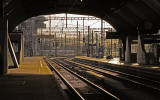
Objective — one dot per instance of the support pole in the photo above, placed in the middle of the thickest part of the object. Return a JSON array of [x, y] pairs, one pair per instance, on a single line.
[[83, 38], [65, 43], [79, 43], [61, 41], [31, 39], [77, 39], [66, 20], [97, 45], [61, 38], [49, 34], [88, 51], [56, 45], [74, 44], [92, 44], [102, 39], [68, 40]]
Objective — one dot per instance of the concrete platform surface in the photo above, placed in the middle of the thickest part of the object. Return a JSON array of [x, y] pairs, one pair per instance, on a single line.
[[32, 81]]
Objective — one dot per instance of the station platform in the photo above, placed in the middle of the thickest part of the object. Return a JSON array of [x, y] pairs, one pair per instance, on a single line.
[[149, 71], [32, 81], [115, 61]]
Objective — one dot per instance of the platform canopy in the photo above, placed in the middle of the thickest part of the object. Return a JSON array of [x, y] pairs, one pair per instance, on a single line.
[[123, 15]]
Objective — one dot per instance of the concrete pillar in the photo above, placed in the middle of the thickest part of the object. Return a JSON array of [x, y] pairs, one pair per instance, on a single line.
[[155, 50], [128, 50], [3, 46], [1, 9], [20, 49], [141, 54]]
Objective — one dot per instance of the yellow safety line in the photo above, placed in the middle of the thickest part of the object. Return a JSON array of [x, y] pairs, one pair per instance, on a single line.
[[155, 67], [41, 63], [95, 59], [93, 73]]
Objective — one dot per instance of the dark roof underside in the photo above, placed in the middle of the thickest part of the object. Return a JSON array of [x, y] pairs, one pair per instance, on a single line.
[[123, 15]]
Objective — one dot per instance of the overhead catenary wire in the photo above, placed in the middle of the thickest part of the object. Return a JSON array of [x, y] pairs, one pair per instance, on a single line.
[[94, 23], [72, 6]]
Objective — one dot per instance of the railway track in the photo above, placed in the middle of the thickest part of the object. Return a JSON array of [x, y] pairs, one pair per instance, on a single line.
[[79, 87], [144, 86], [142, 81]]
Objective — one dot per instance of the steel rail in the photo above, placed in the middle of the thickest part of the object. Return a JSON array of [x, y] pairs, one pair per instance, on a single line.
[[90, 83], [69, 86], [133, 81], [119, 72]]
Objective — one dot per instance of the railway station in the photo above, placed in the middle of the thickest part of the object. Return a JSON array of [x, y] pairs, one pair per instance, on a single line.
[[79, 50]]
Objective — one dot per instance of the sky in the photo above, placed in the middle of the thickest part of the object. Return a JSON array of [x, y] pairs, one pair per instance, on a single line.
[[73, 23]]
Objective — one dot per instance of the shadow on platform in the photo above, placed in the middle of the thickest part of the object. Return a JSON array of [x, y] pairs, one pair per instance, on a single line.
[[29, 87]]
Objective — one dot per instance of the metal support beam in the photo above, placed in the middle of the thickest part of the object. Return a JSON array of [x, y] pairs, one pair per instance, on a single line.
[[19, 38], [13, 55], [113, 35], [72, 18], [56, 29]]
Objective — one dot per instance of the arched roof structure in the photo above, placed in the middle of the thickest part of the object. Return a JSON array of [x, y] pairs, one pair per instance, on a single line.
[[124, 15]]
